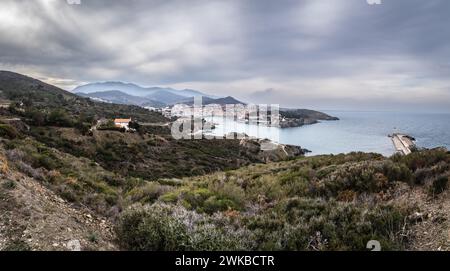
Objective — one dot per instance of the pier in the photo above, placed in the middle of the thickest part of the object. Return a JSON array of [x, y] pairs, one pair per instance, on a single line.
[[404, 144]]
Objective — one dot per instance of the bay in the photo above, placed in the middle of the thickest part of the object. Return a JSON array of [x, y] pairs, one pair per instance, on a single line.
[[355, 131]]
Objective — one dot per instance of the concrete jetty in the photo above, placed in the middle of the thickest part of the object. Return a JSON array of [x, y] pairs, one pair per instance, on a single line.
[[404, 144]]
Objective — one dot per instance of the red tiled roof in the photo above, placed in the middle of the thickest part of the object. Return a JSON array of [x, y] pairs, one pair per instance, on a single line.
[[122, 120]]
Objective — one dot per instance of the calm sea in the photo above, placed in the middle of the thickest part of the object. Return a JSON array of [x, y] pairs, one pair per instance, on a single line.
[[355, 131]]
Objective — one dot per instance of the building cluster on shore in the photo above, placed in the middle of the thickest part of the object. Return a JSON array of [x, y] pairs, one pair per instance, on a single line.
[[238, 112]]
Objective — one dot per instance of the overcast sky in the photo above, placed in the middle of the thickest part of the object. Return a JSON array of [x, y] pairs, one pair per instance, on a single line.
[[323, 54]]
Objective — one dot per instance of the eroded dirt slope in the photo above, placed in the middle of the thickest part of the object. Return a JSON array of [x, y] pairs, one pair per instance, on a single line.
[[34, 218]]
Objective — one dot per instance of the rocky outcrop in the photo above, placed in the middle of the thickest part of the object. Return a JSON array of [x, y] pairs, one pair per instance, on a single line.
[[269, 151]]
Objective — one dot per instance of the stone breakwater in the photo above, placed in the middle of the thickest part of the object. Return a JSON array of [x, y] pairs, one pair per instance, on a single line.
[[404, 144]]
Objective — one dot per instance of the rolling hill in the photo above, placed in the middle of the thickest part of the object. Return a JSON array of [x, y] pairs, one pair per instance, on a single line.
[[119, 97], [16, 86], [208, 101], [38, 99], [165, 97]]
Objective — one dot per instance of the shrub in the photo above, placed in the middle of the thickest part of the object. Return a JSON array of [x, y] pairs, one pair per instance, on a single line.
[[218, 233], [397, 172], [321, 225], [363, 177], [173, 228], [59, 117], [17, 245], [148, 193], [219, 196], [47, 161], [67, 193], [9, 184], [194, 199], [347, 196], [8, 131], [37, 117], [214, 204], [421, 175], [37, 174], [93, 237], [151, 229], [296, 238], [422, 159], [114, 180], [83, 127], [228, 191], [439, 185]]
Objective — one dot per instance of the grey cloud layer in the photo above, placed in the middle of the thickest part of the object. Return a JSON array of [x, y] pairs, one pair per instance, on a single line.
[[315, 53]]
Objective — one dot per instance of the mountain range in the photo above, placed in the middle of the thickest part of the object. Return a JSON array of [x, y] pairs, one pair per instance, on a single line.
[[128, 93], [133, 89], [119, 97], [208, 100]]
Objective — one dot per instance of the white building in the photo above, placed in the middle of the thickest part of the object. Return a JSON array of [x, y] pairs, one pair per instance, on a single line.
[[122, 123]]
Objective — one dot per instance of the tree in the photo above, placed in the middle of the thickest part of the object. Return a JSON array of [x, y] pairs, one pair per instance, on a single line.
[[37, 117], [134, 125], [59, 117]]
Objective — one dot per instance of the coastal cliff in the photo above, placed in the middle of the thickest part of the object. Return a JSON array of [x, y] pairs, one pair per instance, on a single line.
[[299, 117]]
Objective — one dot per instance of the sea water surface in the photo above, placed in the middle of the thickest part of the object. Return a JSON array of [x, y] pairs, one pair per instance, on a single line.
[[355, 131]]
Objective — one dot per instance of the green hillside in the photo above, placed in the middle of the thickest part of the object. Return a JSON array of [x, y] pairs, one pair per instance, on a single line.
[[143, 190]]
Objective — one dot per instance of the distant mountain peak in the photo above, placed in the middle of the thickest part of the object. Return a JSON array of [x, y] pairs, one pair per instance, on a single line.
[[228, 100], [208, 101], [165, 94], [119, 97]]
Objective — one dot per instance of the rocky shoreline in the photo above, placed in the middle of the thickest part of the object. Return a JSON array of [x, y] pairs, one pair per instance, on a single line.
[[268, 150], [291, 118]]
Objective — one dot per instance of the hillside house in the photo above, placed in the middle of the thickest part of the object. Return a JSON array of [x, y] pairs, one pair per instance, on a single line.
[[122, 123]]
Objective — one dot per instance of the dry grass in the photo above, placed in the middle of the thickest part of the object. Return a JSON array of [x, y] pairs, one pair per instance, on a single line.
[[4, 168]]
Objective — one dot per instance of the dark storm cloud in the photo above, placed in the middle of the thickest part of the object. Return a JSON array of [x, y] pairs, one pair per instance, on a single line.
[[319, 53]]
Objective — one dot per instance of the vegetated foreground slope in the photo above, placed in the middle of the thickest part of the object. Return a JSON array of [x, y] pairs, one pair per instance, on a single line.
[[316, 203]]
